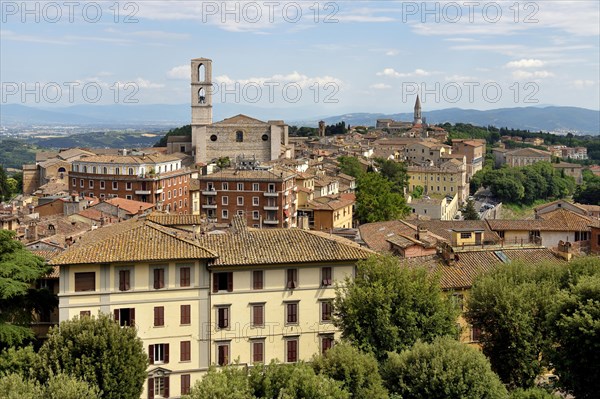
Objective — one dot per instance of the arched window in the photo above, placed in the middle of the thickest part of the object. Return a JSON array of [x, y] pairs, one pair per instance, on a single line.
[[93, 169], [105, 170], [85, 169], [239, 136], [202, 96], [131, 171], [117, 171], [201, 73]]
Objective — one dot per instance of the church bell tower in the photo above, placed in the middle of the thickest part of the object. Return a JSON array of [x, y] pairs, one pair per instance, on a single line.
[[417, 118], [201, 94]]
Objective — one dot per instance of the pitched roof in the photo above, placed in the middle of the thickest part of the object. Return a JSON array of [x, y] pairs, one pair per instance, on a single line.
[[528, 152], [564, 220], [134, 240], [443, 228], [379, 235], [130, 206], [280, 246], [240, 119], [167, 219]]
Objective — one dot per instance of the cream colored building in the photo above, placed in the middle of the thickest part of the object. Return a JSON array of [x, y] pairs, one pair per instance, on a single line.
[[450, 178], [252, 295]]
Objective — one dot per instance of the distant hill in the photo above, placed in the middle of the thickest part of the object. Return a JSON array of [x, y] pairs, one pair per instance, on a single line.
[[551, 118]]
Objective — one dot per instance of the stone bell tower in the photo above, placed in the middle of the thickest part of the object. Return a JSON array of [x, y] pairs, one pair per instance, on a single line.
[[201, 90], [417, 117]]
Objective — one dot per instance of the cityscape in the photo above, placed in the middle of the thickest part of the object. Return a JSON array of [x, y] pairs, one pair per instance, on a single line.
[[256, 200]]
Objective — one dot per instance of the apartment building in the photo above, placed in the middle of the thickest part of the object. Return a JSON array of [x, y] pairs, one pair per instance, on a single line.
[[474, 152], [449, 178]]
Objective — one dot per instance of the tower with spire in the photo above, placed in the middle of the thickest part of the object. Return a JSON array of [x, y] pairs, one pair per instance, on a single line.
[[417, 118]]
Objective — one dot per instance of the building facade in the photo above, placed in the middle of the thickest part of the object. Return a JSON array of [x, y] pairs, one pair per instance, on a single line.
[[448, 179], [474, 152]]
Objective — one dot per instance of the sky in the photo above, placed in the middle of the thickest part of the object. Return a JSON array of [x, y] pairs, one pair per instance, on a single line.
[[319, 57]]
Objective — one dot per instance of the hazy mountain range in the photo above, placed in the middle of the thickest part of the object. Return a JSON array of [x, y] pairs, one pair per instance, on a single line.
[[551, 118]]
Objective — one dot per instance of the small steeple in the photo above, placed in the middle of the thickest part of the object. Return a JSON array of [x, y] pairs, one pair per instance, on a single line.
[[417, 118]]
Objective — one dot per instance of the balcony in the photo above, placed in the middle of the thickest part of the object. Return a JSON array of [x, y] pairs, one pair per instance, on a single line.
[[143, 192], [271, 193], [209, 206], [209, 192], [159, 191], [271, 208], [271, 221]]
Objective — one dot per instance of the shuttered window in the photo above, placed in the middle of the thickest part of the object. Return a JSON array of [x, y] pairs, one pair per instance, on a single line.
[[184, 277], [159, 316], [223, 317], [257, 279], [223, 354], [291, 313], [326, 276], [291, 278], [159, 278], [185, 384], [292, 350], [185, 351], [124, 280], [258, 312], [185, 314], [85, 281], [258, 351], [326, 308]]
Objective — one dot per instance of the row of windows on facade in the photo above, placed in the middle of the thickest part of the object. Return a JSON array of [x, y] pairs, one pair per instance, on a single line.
[[128, 186], [222, 281], [438, 188], [159, 387], [240, 201], [239, 135], [240, 187], [432, 179], [105, 170]]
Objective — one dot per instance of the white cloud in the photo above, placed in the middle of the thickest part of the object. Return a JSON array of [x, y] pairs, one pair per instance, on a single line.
[[580, 83], [380, 86], [182, 72], [520, 74], [146, 84], [393, 73], [526, 63], [392, 52]]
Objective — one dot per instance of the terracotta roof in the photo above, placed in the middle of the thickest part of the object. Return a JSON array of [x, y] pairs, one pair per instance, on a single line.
[[130, 206], [443, 228], [528, 152], [240, 119], [564, 220], [280, 246], [132, 241], [130, 159], [272, 174], [378, 236], [470, 264], [175, 220], [329, 202]]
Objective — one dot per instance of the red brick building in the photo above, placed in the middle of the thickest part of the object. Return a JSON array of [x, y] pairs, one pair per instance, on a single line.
[[595, 239], [154, 178], [268, 198]]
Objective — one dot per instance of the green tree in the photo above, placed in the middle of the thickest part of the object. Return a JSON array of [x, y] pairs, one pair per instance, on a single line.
[[418, 192], [293, 381], [377, 201], [20, 361], [5, 190], [61, 386], [444, 369], [358, 371], [97, 350], [19, 269], [470, 213], [531, 393], [13, 386], [388, 307], [178, 131], [511, 305], [231, 382], [351, 166], [574, 325], [395, 172], [223, 162]]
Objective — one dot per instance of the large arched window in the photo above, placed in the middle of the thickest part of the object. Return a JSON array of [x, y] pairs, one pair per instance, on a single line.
[[105, 170], [202, 96], [84, 169], [239, 136], [131, 171], [201, 73]]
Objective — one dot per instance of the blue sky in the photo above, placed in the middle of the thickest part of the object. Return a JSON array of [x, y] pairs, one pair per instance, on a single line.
[[351, 57]]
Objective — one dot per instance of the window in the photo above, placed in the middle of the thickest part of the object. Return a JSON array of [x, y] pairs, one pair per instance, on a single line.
[[255, 215], [240, 212], [158, 387], [240, 201], [159, 353], [326, 308], [115, 185], [239, 136], [128, 186], [326, 276], [291, 313], [91, 184], [185, 382], [240, 186], [258, 315], [326, 343], [291, 278], [225, 200], [185, 314], [257, 279], [159, 316], [291, 347], [255, 201], [255, 187], [258, 351], [74, 182], [85, 281], [225, 186], [129, 197], [81, 183], [184, 277], [223, 353], [85, 313], [225, 214], [475, 333], [159, 278], [271, 187], [223, 317], [124, 280], [465, 235], [185, 351], [223, 282], [125, 317]]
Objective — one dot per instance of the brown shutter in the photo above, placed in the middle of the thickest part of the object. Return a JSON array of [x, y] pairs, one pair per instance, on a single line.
[[156, 279], [156, 316], [121, 280], [229, 281], [151, 356], [151, 387], [132, 316], [166, 379], [166, 348], [258, 279], [215, 282], [185, 384], [117, 315], [185, 314]]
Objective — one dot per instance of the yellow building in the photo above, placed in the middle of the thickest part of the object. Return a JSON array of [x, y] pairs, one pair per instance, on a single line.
[[449, 178], [252, 295]]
